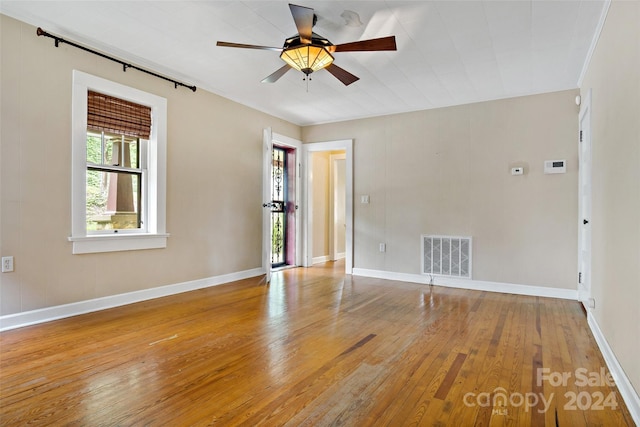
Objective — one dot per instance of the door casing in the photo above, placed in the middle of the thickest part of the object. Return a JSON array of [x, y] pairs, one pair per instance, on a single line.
[[267, 146]]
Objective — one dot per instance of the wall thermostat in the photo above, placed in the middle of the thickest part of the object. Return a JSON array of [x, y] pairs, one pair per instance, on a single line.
[[555, 166]]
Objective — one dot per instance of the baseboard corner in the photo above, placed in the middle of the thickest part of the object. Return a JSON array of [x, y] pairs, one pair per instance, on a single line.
[[626, 389]]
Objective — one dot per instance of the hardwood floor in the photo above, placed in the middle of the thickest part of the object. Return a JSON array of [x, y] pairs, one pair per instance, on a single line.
[[312, 348]]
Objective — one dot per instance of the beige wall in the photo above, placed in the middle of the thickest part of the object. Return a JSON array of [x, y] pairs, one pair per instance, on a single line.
[[614, 77], [447, 171], [214, 161]]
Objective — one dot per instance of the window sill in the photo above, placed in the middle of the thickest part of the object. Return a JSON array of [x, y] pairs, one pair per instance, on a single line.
[[113, 243]]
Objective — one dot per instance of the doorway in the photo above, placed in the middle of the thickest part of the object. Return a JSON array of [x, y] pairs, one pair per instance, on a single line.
[[281, 230], [283, 206], [346, 147]]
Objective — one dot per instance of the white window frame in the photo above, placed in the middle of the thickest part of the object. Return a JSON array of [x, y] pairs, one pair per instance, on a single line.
[[153, 235]]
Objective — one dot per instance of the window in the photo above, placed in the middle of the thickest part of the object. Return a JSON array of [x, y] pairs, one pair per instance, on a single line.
[[118, 167], [114, 183]]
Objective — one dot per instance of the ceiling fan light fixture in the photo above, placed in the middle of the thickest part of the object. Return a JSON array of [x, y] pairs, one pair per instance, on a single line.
[[307, 58], [308, 52]]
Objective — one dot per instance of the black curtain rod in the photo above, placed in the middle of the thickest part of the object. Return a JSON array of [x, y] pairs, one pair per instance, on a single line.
[[125, 65]]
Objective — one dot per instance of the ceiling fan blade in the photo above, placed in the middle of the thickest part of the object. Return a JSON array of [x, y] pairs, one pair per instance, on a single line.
[[276, 75], [341, 74], [248, 46], [303, 17], [383, 43]]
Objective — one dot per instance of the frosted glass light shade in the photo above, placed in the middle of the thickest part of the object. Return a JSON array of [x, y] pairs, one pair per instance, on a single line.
[[307, 58]]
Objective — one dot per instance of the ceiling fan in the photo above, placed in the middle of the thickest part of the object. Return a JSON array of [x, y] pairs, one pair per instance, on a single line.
[[309, 52]]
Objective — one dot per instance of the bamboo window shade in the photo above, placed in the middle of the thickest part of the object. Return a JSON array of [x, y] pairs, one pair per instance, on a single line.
[[114, 115]]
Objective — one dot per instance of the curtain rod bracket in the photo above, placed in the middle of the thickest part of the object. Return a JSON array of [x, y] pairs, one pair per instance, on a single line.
[[58, 40]]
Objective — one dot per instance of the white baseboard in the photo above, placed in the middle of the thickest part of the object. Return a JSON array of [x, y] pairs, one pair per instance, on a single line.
[[18, 320], [321, 259], [621, 379], [477, 285], [327, 258]]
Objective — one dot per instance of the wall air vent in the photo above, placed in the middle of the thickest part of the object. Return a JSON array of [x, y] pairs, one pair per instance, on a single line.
[[446, 256]]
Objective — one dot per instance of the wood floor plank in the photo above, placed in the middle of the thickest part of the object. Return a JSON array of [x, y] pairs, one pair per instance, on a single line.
[[452, 373], [421, 361], [467, 412], [314, 347]]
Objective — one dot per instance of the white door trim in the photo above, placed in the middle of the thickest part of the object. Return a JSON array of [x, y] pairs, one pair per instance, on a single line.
[[584, 201], [307, 199], [267, 146]]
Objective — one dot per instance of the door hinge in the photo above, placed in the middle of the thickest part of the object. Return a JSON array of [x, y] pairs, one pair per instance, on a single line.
[[580, 277], [580, 136]]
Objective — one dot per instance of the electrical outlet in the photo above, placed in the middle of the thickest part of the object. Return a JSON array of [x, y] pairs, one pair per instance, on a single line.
[[7, 264]]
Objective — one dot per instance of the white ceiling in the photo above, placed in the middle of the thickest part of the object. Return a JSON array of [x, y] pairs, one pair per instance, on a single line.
[[449, 52]]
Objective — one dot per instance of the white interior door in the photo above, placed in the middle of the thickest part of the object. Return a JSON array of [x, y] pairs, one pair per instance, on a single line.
[[266, 202], [337, 217], [584, 182]]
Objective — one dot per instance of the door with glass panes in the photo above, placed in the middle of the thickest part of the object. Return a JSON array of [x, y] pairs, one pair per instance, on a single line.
[[281, 191], [282, 206]]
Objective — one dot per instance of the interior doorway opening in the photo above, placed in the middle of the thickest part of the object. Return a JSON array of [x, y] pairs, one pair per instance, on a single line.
[[343, 148], [328, 191]]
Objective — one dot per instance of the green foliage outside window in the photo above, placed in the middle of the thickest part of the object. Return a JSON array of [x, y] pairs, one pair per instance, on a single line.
[[96, 189]]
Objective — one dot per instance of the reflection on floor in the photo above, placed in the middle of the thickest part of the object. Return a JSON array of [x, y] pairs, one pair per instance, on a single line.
[[314, 347]]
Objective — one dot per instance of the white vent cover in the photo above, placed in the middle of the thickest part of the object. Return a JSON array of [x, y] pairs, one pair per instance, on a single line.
[[446, 256]]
